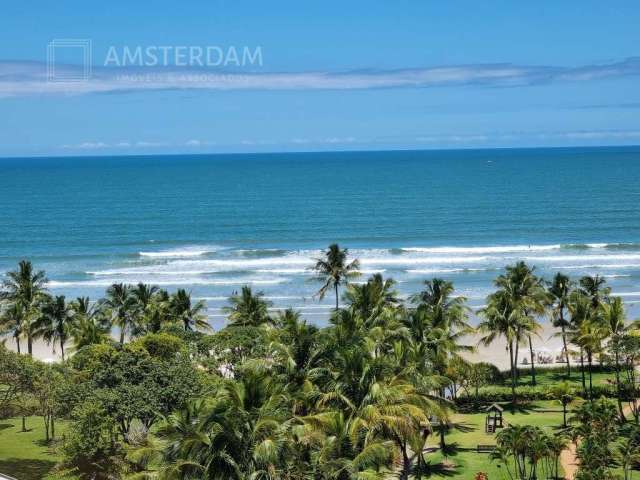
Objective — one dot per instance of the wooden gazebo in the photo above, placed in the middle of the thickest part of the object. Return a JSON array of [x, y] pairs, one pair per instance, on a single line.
[[494, 418]]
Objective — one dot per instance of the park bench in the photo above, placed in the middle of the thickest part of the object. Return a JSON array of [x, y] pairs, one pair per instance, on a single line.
[[485, 448]]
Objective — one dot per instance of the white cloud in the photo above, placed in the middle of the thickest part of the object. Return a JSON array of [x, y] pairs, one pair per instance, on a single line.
[[29, 78]]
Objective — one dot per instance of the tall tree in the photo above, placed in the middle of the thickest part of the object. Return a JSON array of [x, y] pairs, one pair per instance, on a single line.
[[248, 309], [26, 288], [11, 318], [370, 299], [595, 288], [121, 307], [613, 319], [528, 295], [56, 322], [333, 270], [501, 319], [90, 325], [560, 290], [190, 314]]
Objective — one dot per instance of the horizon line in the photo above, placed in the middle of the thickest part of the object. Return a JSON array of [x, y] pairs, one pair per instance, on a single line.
[[302, 152]]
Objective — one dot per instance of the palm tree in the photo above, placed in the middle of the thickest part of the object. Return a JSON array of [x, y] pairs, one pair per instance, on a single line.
[[238, 434], [248, 309], [581, 311], [444, 308], [11, 319], [528, 295], [590, 336], [90, 326], [560, 290], [191, 315], [143, 298], [613, 319], [56, 322], [565, 395], [370, 299], [27, 289], [595, 289], [501, 319], [121, 306], [334, 270]]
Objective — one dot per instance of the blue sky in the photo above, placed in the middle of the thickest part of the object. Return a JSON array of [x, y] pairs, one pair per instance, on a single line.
[[334, 76]]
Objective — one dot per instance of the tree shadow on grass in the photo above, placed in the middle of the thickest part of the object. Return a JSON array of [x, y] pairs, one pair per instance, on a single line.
[[439, 469], [4, 426], [26, 469], [451, 449]]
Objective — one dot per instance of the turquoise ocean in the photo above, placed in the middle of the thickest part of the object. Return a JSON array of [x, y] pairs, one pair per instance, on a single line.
[[212, 223]]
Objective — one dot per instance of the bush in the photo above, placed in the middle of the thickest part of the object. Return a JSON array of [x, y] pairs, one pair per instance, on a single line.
[[161, 345]]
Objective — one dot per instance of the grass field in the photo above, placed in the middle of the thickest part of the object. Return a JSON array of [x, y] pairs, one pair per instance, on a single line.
[[471, 433], [25, 455], [544, 377]]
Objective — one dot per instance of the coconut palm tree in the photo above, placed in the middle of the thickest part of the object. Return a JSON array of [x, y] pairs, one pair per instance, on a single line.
[[191, 315], [120, 305], [333, 270], [248, 309], [445, 309], [11, 318], [528, 295], [581, 311], [90, 326], [238, 434], [143, 298], [595, 288], [559, 291], [590, 336], [370, 299], [56, 322], [564, 394], [501, 319], [613, 319], [26, 288]]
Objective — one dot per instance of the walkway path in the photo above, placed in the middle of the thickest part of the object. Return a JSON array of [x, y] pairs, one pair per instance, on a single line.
[[568, 458]]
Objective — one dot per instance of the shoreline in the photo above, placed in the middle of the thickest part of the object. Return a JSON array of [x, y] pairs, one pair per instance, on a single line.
[[496, 353]]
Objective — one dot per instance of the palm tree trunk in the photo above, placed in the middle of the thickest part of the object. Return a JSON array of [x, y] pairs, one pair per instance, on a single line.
[[62, 348], [17, 338], [618, 393], [122, 335], [513, 376], [584, 382], [515, 362], [564, 414], [533, 366], [566, 350], [30, 344], [590, 361], [53, 427], [335, 286]]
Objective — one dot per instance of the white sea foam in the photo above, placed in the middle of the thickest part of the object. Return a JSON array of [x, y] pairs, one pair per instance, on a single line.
[[170, 282], [597, 266], [195, 251], [582, 258], [481, 250], [428, 271]]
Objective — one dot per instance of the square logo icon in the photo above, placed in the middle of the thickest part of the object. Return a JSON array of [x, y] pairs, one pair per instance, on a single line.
[[69, 60]]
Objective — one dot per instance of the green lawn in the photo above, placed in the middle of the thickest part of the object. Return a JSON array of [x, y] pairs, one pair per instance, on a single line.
[[25, 455], [467, 463], [544, 377]]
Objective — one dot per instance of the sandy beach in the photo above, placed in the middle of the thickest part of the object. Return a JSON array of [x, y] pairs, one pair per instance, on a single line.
[[496, 353]]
